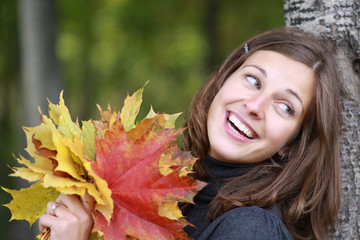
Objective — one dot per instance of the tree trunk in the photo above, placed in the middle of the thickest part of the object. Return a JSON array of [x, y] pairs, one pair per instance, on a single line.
[[340, 21], [40, 74]]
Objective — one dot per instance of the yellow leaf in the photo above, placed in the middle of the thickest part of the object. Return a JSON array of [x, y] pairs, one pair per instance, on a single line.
[[61, 116], [71, 186], [107, 205], [41, 164], [26, 173], [65, 161], [55, 111], [29, 203], [63, 157], [41, 131], [131, 109], [76, 148], [170, 210]]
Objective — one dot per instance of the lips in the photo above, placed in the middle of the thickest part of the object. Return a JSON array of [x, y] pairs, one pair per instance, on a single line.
[[239, 127]]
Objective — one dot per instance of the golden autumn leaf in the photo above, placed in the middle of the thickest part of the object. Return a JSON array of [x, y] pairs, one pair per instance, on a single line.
[[30, 203]]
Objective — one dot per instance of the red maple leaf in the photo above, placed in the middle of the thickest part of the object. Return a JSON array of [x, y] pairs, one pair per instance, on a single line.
[[130, 163]]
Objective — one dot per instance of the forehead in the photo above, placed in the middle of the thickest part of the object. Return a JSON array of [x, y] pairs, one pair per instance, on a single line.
[[265, 54], [274, 63], [281, 73]]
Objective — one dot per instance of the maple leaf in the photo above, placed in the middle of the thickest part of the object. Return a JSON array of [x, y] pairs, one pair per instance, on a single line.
[[131, 109], [145, 197], [30, 203]]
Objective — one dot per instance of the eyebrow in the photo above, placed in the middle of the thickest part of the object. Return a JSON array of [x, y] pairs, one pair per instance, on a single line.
[[290, 91], [257, 67]]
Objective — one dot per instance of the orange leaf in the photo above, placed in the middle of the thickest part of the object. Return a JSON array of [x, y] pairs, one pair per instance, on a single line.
[[145, 172]]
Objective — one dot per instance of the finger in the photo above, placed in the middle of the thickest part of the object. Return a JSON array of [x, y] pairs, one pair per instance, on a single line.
[[58, 210], [51, 208], [88, 202], [72, 202], [62, 211], [74, 205], [46, 221]]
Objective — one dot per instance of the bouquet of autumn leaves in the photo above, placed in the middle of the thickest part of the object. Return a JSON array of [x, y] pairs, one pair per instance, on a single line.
[[134, 171]]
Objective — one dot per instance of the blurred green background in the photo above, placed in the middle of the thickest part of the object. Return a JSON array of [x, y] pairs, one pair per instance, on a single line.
[[106, 48]]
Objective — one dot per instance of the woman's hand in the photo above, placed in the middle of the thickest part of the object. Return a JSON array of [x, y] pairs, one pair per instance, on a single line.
[[71, 219]]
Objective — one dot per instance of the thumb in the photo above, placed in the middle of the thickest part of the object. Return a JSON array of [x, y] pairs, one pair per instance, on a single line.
[[89, 202]]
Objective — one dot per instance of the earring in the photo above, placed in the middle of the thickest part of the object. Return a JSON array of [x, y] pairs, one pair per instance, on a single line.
[[282, 157]]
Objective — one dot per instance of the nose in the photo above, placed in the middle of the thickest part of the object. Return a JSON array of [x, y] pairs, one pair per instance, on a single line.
[[256, 105]]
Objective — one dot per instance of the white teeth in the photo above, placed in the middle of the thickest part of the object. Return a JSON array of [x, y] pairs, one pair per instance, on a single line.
[[234, 120]]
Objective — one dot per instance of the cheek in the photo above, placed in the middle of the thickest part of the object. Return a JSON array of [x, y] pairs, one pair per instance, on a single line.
[[280, 131], [218, 104]]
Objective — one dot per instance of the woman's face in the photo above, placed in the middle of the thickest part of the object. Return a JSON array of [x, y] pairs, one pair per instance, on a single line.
[[259, 108]]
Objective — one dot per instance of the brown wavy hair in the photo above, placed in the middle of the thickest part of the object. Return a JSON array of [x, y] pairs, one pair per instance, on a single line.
[[306, 186]]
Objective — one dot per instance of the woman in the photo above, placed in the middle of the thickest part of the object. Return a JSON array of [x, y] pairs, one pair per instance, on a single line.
[[265, 130]]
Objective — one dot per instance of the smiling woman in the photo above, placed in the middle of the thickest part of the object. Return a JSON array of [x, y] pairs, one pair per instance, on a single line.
[[265, 130]]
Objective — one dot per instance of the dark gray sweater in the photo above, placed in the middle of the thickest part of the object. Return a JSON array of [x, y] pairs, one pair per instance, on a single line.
[[243, 223]]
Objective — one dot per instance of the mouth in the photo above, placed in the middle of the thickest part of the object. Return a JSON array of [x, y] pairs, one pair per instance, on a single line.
[[240, 128]]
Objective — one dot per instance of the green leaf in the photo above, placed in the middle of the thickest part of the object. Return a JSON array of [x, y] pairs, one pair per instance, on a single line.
[[88, 133], [171, 119], [131, 109]]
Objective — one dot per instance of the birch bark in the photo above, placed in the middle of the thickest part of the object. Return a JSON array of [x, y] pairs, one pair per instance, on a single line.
[[340, 21]]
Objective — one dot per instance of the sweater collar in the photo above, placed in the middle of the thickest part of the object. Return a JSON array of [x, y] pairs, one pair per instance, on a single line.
[[217, 170]]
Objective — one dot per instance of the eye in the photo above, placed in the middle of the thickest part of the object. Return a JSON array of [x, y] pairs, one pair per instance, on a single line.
[[286, 109], [253, 81]]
